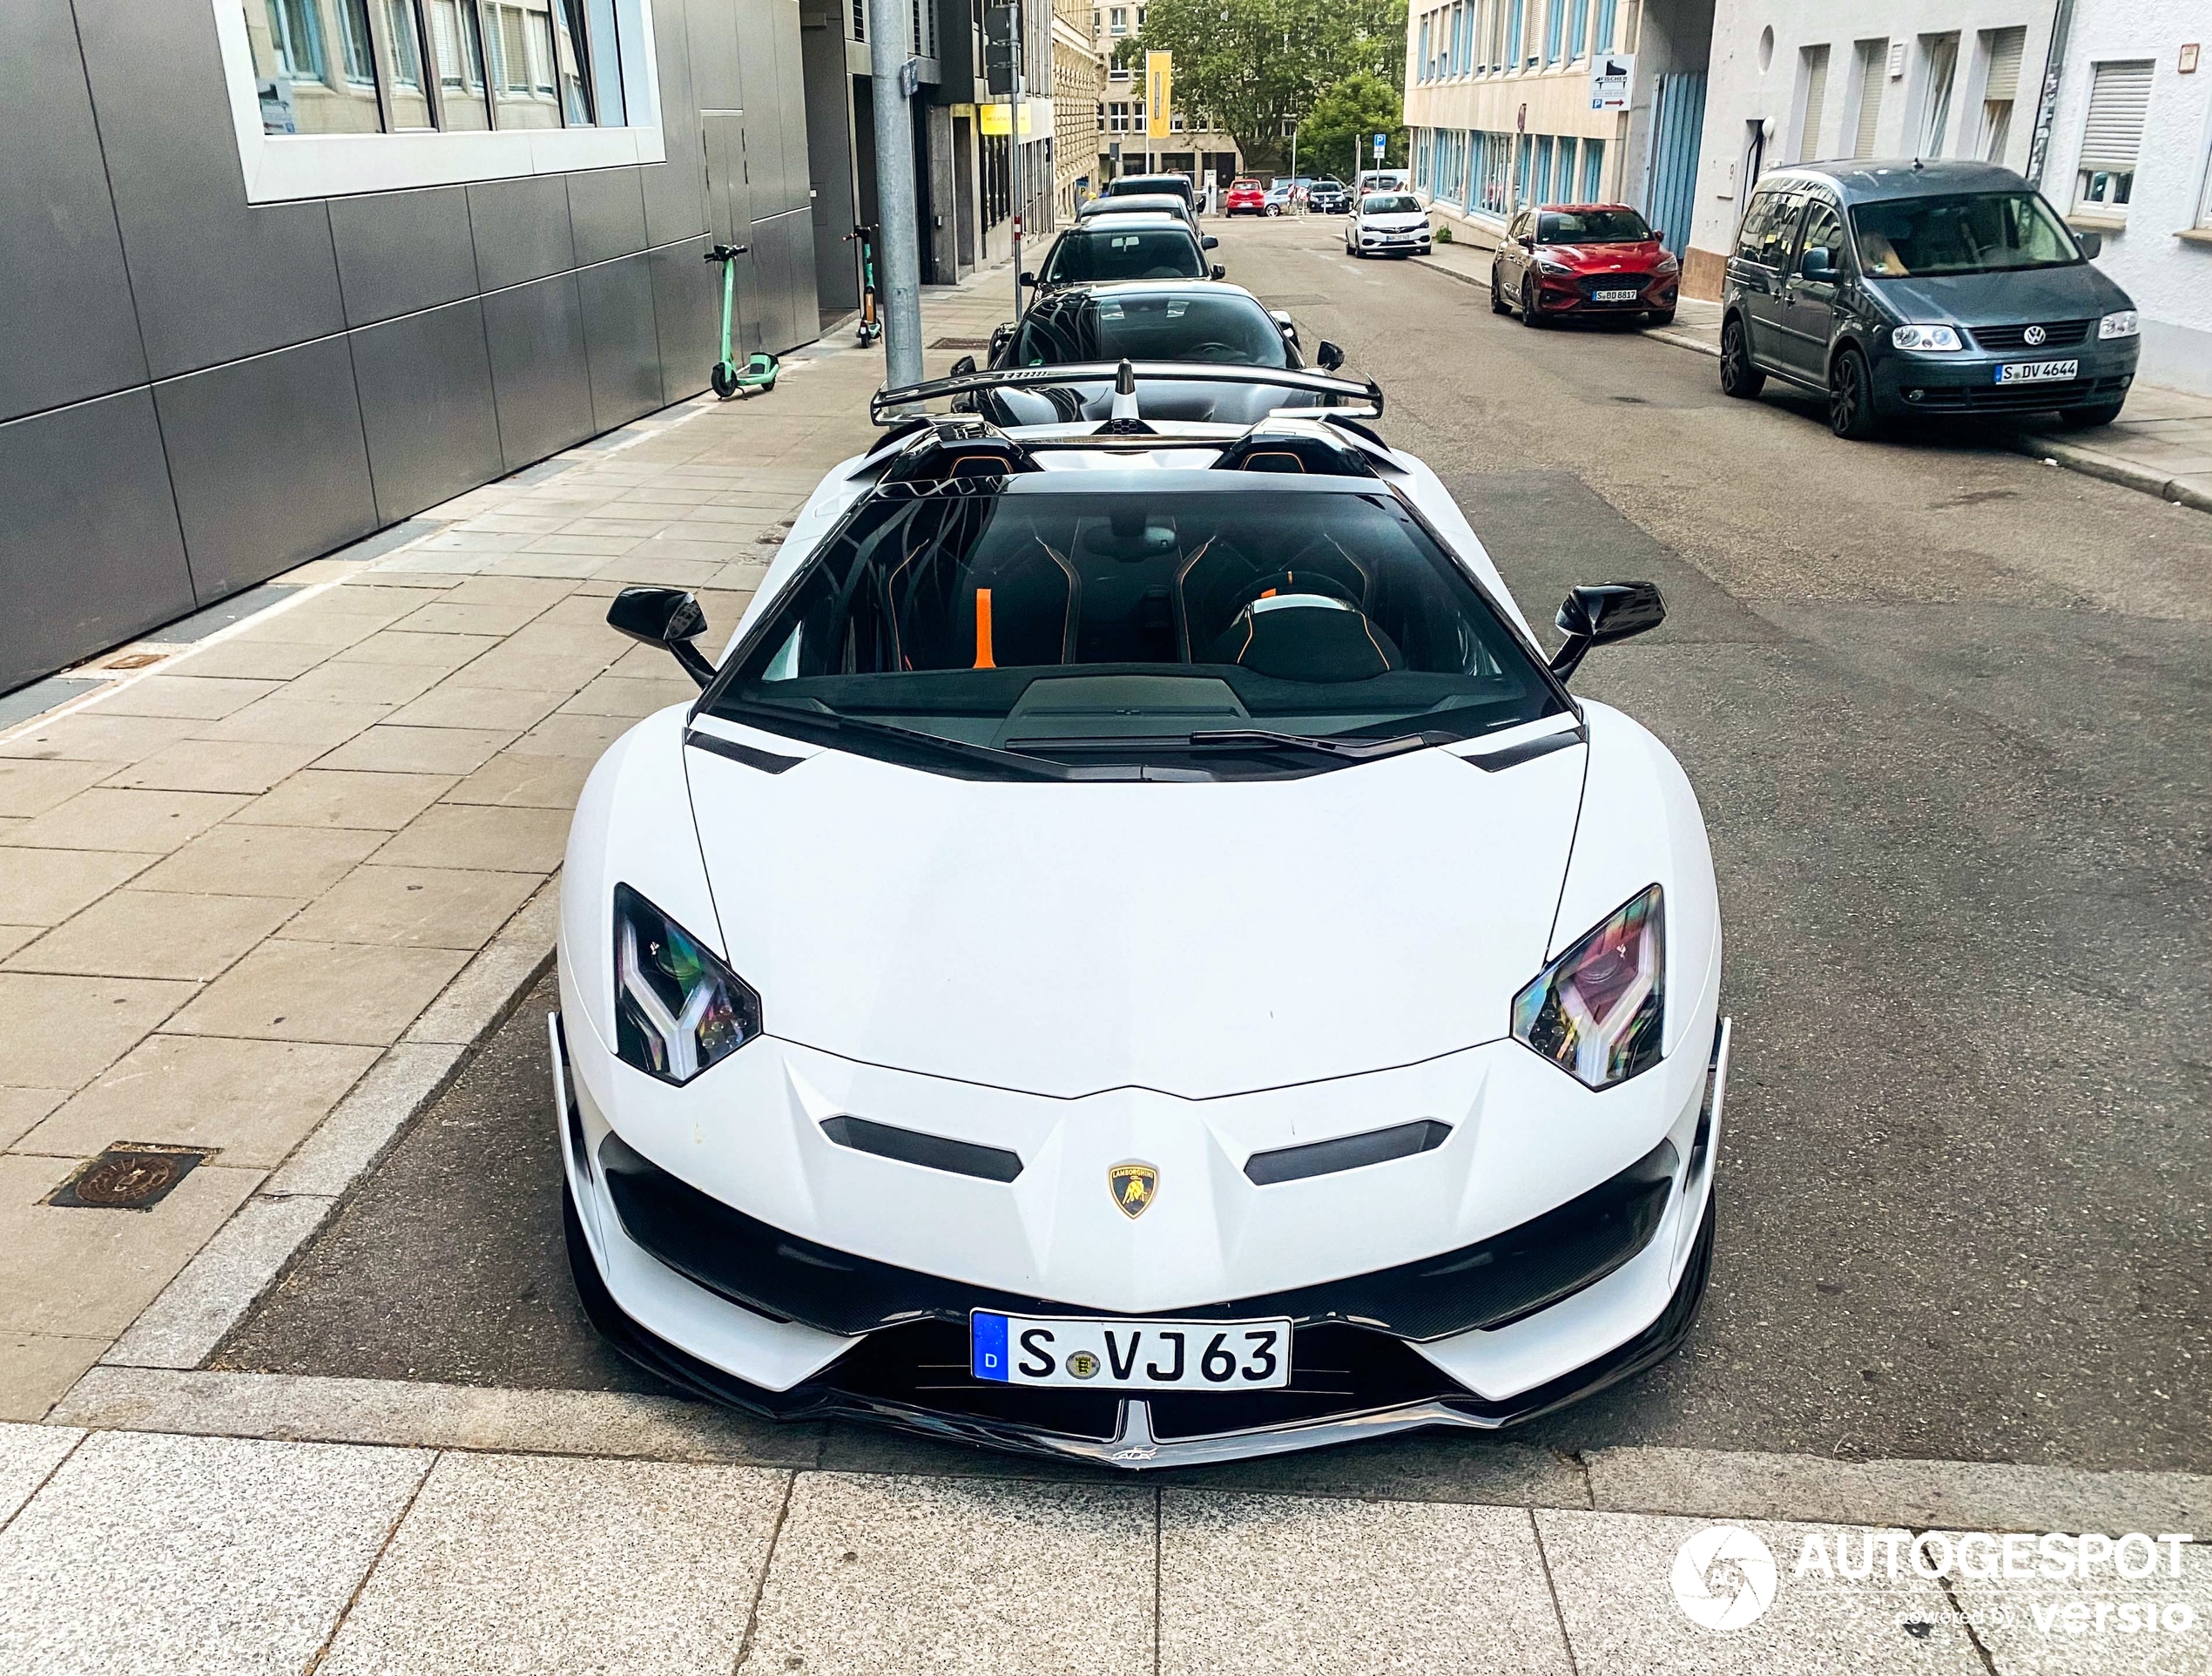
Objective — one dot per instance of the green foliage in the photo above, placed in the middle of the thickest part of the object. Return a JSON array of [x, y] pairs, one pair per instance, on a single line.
[[1444, 233], [1256, 67], [1344, 122]]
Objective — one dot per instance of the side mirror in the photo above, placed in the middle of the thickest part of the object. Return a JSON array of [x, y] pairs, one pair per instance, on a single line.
[[1527, 241], [1608, 612], [1028, 278], [1217, 272], [1327, 356], [663, 617], [1658, 234], [1210, 243], [1819, 263], [2092, 243], [964, 366]]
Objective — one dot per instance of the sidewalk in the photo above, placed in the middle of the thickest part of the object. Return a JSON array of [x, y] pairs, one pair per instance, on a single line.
[[2161, 444], [260, 894], [128, 1550]]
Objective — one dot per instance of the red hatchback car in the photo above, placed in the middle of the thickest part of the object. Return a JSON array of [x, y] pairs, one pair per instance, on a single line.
[[1581, 261], [1246, 197]]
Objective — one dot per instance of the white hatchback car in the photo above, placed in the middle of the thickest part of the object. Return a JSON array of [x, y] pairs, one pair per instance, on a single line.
[[1135, 954], [1387, 224]]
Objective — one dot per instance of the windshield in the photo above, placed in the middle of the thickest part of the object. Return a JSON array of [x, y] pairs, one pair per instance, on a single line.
[[1390, 203], [1121, 621], [1328, 185], [1970, 233], [1104, 254], [1593, 226], [1225, 328]]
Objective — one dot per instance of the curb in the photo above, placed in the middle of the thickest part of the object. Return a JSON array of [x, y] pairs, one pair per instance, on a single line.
[[2090, 463], [1675, 1483]]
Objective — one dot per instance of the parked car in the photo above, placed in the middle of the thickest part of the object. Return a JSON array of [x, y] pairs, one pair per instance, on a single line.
[[1282, 197], [1923, 286], [1149, 322], [1135, 955], [1136, 204], [1144, 245], [1381, 180], [1328, 198], [1246, 197], [1387, 224], [1584, 261], [1153, 186]]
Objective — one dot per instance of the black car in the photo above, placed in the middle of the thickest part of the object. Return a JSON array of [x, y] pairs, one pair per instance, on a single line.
[[1328, 198], [1920, 287], [1143, 246], [1201, 321]]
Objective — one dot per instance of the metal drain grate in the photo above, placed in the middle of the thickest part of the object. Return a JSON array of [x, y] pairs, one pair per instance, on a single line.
[[129, 1176], [962, 343]]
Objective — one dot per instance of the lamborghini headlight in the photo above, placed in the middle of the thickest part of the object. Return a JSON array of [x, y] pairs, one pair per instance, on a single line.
[[1598, 1011], [677, 1009]]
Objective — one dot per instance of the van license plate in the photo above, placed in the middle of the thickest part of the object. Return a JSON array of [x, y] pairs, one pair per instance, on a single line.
[[1145, 1355], [2036, 372]]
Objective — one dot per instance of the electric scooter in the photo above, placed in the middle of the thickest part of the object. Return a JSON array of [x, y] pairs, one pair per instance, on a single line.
[[871, 323], [760, 369]]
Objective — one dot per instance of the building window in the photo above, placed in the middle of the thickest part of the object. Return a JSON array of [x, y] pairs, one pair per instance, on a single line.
[[1608, 12], [1812, 65], [2118, 100], [1873, 75], [1555, 30], [1941, 54], [1118, 18], [301, 92], [1593, 170], [1578, 29], [2000, 87]]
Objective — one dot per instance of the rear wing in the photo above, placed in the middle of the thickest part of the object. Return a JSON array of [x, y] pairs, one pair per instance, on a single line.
[[1350, 398]]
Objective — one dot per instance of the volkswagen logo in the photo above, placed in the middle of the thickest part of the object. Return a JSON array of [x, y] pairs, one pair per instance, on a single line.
[[2034, 335]]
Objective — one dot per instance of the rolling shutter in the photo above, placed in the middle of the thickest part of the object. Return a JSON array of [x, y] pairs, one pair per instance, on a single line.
[[1873, 64], [2118, 103], [2003, 79], [1816, 102]]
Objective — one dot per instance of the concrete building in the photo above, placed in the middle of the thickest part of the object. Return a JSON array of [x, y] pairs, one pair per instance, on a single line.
[[2128, 151], [1078, 103], [1191, 146], [279, 272], [1836, 78], [1515, 101]]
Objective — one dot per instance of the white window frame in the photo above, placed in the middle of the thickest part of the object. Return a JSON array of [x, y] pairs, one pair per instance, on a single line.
[[283, 168]]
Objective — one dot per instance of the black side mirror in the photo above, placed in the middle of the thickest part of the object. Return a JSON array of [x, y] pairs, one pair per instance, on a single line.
[[964, 366], [663, 617], [1327, 356], [1658, 234], [2092, 244], [1527, 241], [1606, 612], [1210, 242], [1217, 272], [1028, 278], [1817, 263]]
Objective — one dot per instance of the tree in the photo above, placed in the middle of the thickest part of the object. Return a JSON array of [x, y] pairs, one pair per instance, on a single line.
[[1346, 119], [1257, 67]]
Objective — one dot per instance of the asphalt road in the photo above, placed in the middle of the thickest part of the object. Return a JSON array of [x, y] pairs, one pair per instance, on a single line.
[[1948, 713]]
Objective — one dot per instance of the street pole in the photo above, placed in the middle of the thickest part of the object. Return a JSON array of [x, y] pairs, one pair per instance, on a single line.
[[1013, 139], [900, 254]]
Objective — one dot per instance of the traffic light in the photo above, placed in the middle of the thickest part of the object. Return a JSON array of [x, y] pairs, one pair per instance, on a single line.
[[1001, 44]]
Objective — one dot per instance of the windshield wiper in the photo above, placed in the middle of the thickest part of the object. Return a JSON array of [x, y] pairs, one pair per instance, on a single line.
[[800, 722], [1236, 737]]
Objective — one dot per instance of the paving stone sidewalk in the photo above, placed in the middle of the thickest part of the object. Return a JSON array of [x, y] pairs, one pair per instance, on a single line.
[[132, 1552], [297, 868], [2161, 444]]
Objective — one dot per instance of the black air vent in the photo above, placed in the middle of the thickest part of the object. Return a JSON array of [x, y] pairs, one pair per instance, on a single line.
[[1346, 1152], [931, 1151]]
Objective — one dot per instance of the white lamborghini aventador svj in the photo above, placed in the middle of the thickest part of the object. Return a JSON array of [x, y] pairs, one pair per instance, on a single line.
[[1135, 953]]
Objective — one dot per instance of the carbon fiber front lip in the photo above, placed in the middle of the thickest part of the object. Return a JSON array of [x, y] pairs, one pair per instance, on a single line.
[[1134, 1447]]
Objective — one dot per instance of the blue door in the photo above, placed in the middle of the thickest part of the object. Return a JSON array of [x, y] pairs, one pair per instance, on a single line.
[[1673, 183]]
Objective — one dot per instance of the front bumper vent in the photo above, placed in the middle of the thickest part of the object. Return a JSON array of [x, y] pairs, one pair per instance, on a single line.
[[1346, 1153]]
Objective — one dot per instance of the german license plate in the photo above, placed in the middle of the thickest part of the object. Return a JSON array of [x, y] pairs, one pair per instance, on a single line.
[[2036, 372], [1613, 296], [1138, 1355]]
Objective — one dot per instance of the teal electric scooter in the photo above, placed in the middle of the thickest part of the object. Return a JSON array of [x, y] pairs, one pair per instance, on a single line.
[[871, 323], [760, 369]]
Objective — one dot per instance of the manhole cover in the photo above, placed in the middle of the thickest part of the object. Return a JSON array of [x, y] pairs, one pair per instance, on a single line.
[[127, 1176], [962, 343], [135, 660]]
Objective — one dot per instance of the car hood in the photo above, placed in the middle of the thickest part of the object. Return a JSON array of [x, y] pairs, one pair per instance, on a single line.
[[1194, 939], [2015, 299], [1606, 259], [1406, 222]]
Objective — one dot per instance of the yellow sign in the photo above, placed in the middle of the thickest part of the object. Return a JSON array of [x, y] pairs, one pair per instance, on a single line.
[[1159, 93], [996, 121]]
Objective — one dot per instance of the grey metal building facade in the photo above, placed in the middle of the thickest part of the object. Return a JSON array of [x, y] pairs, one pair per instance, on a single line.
[[212, 370]]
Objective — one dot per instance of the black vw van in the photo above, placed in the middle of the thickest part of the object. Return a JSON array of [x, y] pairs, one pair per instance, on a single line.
[[1935, 287]]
